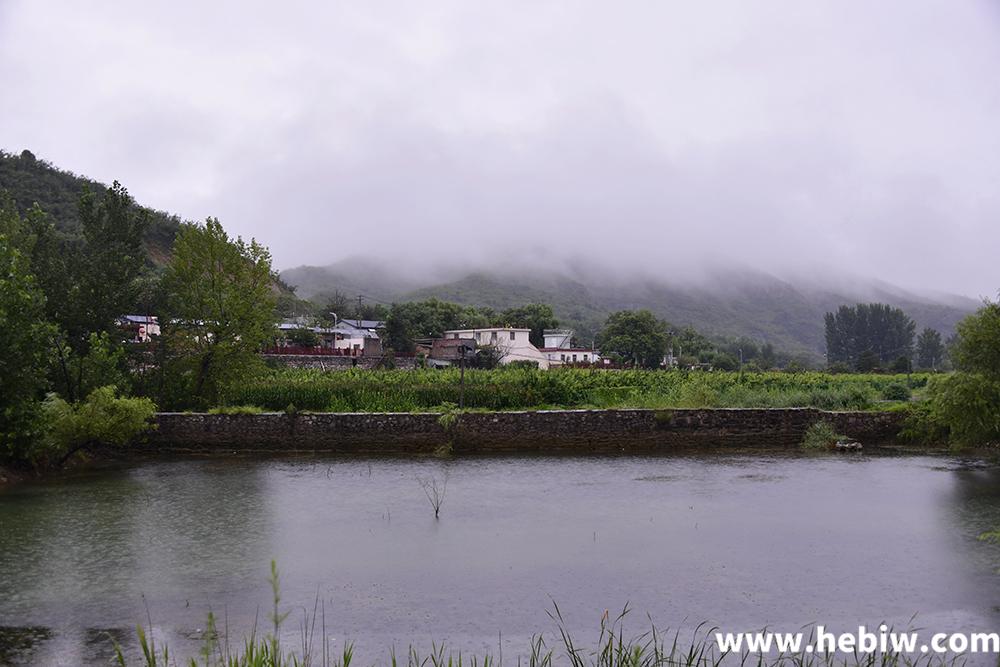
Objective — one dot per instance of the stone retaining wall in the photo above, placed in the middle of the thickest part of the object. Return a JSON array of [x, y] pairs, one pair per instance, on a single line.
[[544, 431]]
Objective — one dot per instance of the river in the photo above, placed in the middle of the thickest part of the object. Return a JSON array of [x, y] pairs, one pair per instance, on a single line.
[[740, 541]]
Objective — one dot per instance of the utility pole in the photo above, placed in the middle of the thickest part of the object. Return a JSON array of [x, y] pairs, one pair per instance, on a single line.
[[461, 378]]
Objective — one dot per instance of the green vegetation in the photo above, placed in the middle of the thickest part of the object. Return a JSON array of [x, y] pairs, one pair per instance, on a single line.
[[103, 419], [519, 389], [964, 406], [896, 391], [869, 336], [930, 350], [821, 435], [614, 647], [220, 313], [236, 410], [634, 336], [23, 360], [30, 182]]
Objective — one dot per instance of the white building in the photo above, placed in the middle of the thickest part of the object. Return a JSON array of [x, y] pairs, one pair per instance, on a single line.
[[512, 343], [347, 335], [559, 349], [559, 356]]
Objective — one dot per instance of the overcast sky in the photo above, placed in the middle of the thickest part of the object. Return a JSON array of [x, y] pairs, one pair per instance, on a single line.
[[664, 134]]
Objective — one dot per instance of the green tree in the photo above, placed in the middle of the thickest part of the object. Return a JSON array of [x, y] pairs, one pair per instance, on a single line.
[[24, 335], [535, 316], [635, 336], [767, 359], [428, 319], [930, 349], [856, 334], [977, 347], [88, 280], [302, 338], [220, 312], [967, 403]]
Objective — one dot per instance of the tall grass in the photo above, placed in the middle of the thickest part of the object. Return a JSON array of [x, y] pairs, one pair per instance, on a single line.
[[518, 389], [613, 648]]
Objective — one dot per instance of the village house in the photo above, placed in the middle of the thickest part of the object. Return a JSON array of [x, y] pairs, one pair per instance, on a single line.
[[559, 349], [354, 337], [512, 344], [139, 328]]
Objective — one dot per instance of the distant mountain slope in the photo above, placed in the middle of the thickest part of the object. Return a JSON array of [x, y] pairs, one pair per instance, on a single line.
[[732, 303], [30, 180]]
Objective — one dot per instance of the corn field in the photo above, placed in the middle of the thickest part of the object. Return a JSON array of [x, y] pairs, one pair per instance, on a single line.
[[519, 389]]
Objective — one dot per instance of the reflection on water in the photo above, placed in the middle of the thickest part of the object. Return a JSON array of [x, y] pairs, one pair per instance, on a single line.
[[738, 541]]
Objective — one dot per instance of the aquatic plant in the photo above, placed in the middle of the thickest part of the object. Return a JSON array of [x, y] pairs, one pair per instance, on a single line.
[[821, 435], [435, 490], [613, 648]]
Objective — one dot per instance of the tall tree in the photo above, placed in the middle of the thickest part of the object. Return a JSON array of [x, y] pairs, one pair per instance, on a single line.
[[635, 336], [967, 402], [220, 311], [88, 280], [111, 261], [866, 331], [535, 316], [24, 335], [930, 349]]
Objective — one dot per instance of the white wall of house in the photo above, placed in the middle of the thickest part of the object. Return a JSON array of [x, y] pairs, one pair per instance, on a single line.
[[578, 355], [514, 342]]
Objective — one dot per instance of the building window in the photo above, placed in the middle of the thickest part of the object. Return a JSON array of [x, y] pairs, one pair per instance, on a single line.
[[493, 337], [562, 357], [512, 335], [574, 358], [585, 357]]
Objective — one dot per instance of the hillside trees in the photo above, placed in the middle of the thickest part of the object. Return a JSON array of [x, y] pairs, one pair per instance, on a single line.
[[868, 334], [220, 312]]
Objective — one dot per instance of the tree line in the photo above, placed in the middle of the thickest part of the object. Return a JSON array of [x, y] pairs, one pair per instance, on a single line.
[[66, 375], [869, 336]]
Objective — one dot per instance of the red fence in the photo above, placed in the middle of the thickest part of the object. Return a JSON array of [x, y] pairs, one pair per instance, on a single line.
[[313, 351]]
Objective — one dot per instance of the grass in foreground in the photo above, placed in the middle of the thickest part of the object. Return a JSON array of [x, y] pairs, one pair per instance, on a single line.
[[613, 648]]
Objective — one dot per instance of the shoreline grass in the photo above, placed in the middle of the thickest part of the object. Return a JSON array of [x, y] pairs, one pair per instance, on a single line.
[[613, 648]]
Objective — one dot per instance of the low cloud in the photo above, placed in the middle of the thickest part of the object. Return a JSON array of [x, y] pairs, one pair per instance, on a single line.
[[661, 137]]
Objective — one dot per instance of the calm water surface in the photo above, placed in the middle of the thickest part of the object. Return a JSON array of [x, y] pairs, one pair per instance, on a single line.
[[738, 541]]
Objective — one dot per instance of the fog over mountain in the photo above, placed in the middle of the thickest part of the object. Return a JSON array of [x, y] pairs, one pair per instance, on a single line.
[[839, 142]]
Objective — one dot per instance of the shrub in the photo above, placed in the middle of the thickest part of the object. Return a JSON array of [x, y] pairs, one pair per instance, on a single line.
[[896, 391], [102, 419], [821, 435]]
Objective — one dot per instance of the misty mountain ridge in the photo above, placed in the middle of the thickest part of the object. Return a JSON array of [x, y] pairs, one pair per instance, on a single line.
[[735, 301]]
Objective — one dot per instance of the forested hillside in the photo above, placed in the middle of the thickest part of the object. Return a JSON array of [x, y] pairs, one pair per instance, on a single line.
[[30, 180], [733, 303]]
